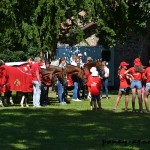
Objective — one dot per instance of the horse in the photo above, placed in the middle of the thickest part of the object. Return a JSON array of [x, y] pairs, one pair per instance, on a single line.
[[18, 78], [97, 64], [75, 70]]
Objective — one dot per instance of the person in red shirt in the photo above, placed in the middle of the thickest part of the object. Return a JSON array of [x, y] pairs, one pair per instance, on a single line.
[[147, 88], [95, 85], [136, 84], [124, 85], [36, 80]]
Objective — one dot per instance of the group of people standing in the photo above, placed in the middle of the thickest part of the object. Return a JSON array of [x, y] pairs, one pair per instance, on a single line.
[[96, 84], [136, 78]]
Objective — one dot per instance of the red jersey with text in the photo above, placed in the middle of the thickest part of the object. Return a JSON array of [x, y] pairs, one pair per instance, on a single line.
[[136, 75], [147, 73], [95, 84], [123, 79]]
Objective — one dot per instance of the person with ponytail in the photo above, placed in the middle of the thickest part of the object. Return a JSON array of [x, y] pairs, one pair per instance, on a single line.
[[60, 86], [136, 84], [105, 79], [124, 85]]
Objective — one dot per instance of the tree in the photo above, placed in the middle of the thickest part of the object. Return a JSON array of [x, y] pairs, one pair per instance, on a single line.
[[28, 27]]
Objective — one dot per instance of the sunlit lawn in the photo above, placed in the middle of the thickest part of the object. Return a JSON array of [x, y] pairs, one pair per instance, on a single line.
[[74, 127]]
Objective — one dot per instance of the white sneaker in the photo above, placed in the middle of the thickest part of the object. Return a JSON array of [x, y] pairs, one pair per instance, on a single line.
[[77, 100], [63, 103]]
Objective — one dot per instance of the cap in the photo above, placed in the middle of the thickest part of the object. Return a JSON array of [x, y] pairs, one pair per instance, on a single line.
[[123, 63], [94, 73], [137, 62], [93, 69], [80, 55]]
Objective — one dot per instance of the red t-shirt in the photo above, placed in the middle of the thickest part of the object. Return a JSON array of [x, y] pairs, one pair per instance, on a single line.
[[136, 75], [147, 74], [95, 84], [123, 79], [35, 67], [89, 78]]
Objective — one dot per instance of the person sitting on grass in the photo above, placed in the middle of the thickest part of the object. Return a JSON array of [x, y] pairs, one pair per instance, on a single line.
[[124, 85], [95, 85]]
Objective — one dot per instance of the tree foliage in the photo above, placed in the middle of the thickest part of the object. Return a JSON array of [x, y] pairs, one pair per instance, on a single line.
[[27, 27]]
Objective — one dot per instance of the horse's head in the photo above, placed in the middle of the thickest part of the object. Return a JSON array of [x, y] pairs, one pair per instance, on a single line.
[[74, 70], [61, 74], [99, 65], [47, 77]]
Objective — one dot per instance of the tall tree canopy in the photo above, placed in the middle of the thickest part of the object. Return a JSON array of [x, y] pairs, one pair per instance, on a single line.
[[29, 26]]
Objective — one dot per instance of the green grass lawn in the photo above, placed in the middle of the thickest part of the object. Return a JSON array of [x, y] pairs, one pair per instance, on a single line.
[[74, 127]]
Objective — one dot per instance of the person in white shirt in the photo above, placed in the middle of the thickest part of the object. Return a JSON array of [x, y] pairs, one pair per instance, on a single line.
[[80, 59], [76, 94], [105, 79], [73, 60]]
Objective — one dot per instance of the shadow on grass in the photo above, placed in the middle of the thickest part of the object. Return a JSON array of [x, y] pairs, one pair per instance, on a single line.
[[59, 128]]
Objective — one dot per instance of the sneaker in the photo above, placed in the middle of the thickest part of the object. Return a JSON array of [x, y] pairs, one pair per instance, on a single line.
[[114, 109], [38, 106], [62, 103], [147, 111], [141, 111], [76, 100], [133, 111], [107, 97]]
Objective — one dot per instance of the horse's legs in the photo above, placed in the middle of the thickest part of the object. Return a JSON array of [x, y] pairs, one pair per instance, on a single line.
[[26, 98], [9, 97], [11, 100], [22, 100], [1, 103], [6, 97]]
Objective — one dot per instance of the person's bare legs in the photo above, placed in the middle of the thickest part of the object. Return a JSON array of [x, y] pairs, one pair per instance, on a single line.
[[133, 98], [139, 91], [146, 94], [126, 100], [118, 99]]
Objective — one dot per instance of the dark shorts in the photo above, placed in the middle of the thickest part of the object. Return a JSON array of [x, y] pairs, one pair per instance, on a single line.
[[125, 90], [96, 98]]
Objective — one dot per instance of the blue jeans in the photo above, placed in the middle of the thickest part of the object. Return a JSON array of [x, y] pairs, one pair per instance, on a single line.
[[136, 84], [43, 95], [36, 93], [147, 87], [61, 92], [76, 91], [104, 86]]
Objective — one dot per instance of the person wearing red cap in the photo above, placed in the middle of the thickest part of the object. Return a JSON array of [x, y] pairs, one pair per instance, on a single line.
[[147, 88], [136, 83], [124, 85]]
